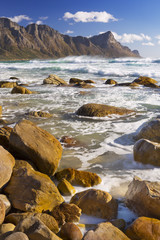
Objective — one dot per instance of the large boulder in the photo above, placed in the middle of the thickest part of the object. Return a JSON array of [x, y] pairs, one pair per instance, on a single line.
[[54, 79], [47, 219], [144, 228], [150, 131], [105, 231], [143, 197], [21, 90], [5, 84], [7, 163], [36, 144], [69, 231], [101, 110], [35, 191], [96, 203], [35, 229], [142, 80], [82, 178], [147, 152]]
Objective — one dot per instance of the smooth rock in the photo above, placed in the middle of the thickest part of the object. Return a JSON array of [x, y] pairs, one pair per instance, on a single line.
[[82, 178], [37, 145], [6, 202], [142, 80], [75, 81], [35, 229], [40, 114], [66, 188], [17, 236], [110, 81], [101, 110], [66, 213], [96, 203], [37, 193], [143, 197], [147, 152], [54, 79], [144, 228], [69, 231], [7, 163], [6, 227], [105, 231], [2, 211], [21, 90]]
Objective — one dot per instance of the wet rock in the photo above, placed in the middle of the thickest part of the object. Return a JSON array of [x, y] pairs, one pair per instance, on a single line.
[[142, 80], [4, 136], [37, 193], [54, 79], [147, 152], [150, 131], [101, 110], [144, 228], [6, 202], [70, 231], [89, 81], [143, 197], [75, 81], [15, 236], [6, 227], [127, 84], [37, 145], [21, 90], [110, 81], [47, 219], [66, 213], [2, 211], [7, 163], [69, 141], [76, 177], [4, 84], [40, 114], [96, 203], [105, 231], [66, 188], [119, 223], [0, 110], [14, 78], [34, 228], [84, 85]]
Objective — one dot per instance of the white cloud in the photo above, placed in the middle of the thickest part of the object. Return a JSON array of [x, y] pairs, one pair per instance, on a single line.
[[159, 42], [89, 17], [19, 18], [148, 44], [131, 37], [69, 32], [158, 37], [43, 18], [39, 22]]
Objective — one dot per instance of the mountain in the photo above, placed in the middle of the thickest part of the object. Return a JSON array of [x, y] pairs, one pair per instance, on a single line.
[[42, 41]]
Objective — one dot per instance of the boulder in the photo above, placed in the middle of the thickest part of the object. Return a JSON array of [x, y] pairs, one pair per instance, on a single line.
[[6, 227], [37, 145], [15, 236], [69, 231], [150, 131], [7, 163], [142, 80], [37, 193], [96, 203], [4, 84], [21, 90], [54, 79], [144, 228], [147, 152], [101, 110], [143, 197], [110, 81], [75, 81], [4, 136], [6, 202], [2, 211], [66, 188], [105, 231], [40, 114], [35, 229], [66, 213], [76, 177], [47, 219]]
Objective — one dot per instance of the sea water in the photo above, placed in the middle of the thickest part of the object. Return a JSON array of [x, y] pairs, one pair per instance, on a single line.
[[106, 144]]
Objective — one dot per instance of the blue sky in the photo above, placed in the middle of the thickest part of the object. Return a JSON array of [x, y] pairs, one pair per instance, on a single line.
[[135, 23]]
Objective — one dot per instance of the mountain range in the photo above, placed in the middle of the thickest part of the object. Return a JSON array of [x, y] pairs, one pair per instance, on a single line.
[[41, 41]]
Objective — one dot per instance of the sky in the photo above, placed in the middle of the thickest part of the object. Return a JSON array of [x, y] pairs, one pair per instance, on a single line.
[[134, 23]]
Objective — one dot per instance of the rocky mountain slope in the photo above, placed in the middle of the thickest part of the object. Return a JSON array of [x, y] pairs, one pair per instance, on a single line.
[[42, 41]]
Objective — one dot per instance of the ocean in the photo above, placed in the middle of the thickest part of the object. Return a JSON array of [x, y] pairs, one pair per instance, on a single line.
[[106, 144]]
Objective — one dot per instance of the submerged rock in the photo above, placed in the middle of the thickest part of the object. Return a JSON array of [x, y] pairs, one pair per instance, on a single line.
[[143, 197], [69, 141], [127, 84], [37, 193], [21, 90], [55, 80], [101, 110], [40, 114], [110, 81], [82, 178], [96, 203], [37, 145], [144, 228], [83, 85], [147, 152]]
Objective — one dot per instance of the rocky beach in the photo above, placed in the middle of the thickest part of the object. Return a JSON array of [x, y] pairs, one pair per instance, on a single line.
[[80, 149]]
